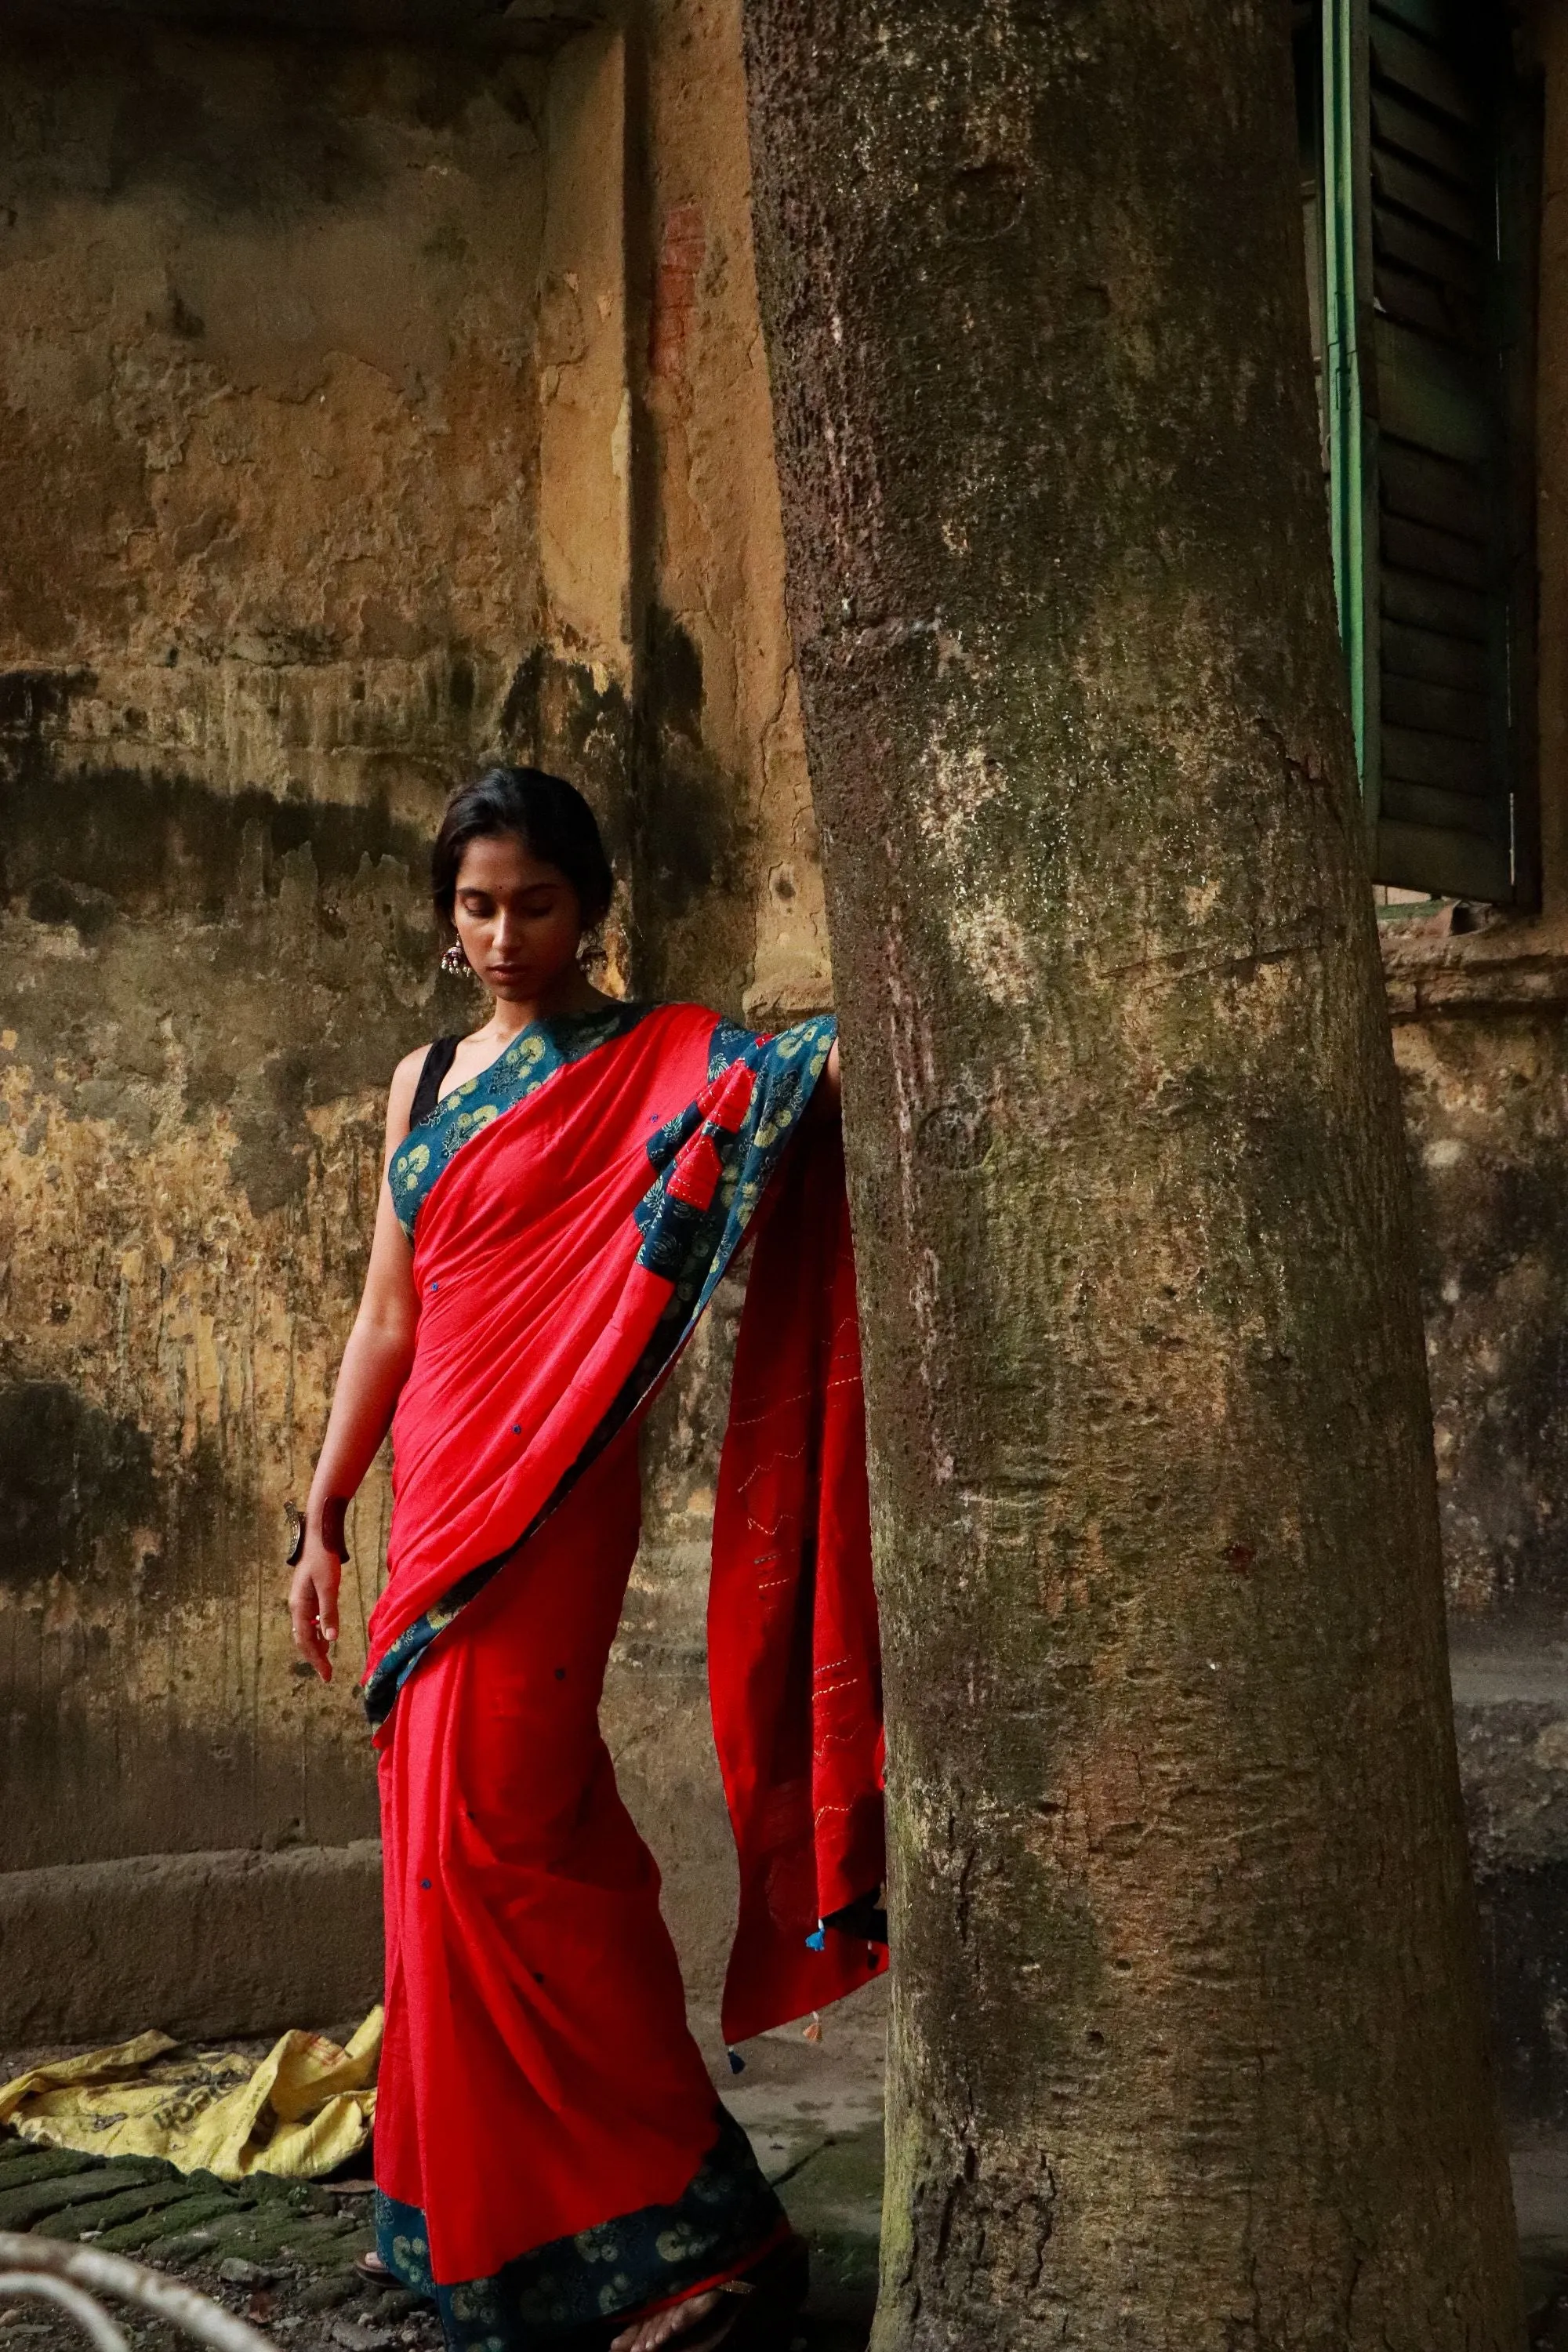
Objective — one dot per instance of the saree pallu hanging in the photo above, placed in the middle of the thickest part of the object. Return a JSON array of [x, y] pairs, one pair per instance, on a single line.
[[549, 2150]]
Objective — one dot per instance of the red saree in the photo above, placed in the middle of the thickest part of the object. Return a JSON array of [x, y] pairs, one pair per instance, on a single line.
[[549, 2153]]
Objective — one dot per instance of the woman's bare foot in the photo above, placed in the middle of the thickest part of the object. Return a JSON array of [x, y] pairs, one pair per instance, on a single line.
[[702, 2320]]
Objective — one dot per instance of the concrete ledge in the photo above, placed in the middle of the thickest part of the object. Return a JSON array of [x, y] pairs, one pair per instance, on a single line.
[[192, 1943]]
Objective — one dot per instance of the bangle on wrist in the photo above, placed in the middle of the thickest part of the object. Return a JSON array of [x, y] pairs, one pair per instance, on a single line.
[[331, 1529]]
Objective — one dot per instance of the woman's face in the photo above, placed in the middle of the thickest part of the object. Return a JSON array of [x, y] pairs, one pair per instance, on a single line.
[[519, 920]]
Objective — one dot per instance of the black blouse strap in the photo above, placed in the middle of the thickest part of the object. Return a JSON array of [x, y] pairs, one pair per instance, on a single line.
[[428, 1092]]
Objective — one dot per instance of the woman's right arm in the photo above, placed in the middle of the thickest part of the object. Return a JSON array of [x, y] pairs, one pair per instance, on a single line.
[[375, 1365]]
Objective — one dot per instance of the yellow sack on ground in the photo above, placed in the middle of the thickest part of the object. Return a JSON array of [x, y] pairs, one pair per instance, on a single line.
[[303, 2112]]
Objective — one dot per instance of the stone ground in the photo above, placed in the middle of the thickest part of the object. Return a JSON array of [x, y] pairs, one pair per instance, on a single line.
[[1541, 2204], [283, 2256]]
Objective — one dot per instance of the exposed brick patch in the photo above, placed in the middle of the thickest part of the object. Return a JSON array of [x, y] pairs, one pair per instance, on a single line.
[[682, 250]]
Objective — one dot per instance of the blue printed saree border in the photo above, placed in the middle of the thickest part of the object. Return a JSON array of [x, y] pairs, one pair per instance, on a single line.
[[534, 1054], [725, 2218], [692, 1246]]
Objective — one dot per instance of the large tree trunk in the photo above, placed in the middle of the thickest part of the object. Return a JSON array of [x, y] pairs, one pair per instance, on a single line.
[[1187, 2046]]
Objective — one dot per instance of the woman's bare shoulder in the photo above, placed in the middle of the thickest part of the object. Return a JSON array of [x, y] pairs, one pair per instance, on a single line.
[[406, 1073], [400, 1096]]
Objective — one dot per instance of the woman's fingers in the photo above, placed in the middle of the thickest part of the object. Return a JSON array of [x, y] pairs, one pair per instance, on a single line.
[[326, 1581], [307, 1630], [313, 1614]]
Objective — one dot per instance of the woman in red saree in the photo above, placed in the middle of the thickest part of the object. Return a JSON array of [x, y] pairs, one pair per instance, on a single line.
[[564, 1188]]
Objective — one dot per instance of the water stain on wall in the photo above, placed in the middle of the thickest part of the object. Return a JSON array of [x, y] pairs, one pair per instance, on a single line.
[[267, 447], [293, 330]]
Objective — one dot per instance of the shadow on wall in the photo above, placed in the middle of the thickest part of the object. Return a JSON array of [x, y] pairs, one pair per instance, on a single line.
[[285, 331]]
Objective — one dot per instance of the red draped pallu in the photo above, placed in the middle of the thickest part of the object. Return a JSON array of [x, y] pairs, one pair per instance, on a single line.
[[549, 2148]]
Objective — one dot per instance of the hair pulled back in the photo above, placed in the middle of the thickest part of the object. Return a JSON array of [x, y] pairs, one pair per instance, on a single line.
[[549, 815]]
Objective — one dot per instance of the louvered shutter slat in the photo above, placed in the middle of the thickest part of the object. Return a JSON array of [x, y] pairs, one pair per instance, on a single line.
[[1419, 703], [1410, 244], [1413, 406], [1419, 67], [1455, 763], [1435, 605], [1428, 396], [1438, 554], [1445, 859], [1411, 651], [1426, 138], [1429, 489], [1424, 16], [1466, 814], [1430, 309], [1436, 201]]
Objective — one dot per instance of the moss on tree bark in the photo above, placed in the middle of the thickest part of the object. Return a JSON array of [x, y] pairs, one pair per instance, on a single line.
[[1188, 2046]]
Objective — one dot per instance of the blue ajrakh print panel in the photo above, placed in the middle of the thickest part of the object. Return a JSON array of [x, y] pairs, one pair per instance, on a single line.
[[691, 1246], [534, 1054], [727, 2214]]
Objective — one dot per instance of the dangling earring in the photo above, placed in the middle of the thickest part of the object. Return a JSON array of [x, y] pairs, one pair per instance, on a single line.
[[454, 960]]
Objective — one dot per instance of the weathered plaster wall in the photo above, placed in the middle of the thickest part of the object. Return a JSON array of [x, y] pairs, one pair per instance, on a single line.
[[728, 885], [284, 327], [1480, 1001], [1483, 1053], [1486, 1093], [359, 421]]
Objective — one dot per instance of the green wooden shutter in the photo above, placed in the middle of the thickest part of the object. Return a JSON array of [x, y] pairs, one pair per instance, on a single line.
[[1419, 355]]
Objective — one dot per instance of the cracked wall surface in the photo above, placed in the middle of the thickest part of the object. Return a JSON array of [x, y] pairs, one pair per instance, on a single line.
[[269, 359], [269, 451], [728, 885], [729, 870], [355, 427], [1478, 998], [368, 408]]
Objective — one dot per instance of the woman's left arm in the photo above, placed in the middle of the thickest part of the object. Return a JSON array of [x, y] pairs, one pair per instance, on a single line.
[[375, 1364], [826, 1095]]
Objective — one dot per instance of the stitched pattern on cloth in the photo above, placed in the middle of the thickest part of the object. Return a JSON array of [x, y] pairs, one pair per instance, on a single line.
[[534, 1054], [725, 2217], [710, 1165]]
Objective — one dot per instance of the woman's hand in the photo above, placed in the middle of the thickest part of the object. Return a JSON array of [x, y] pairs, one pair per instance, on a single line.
[[313, 1604], [375, 1367]]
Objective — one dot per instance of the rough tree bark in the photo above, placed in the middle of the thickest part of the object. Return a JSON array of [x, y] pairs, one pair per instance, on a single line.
[[1187, 2046]]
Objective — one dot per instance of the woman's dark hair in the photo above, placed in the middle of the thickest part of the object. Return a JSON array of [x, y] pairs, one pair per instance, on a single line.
[[548, 815]]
